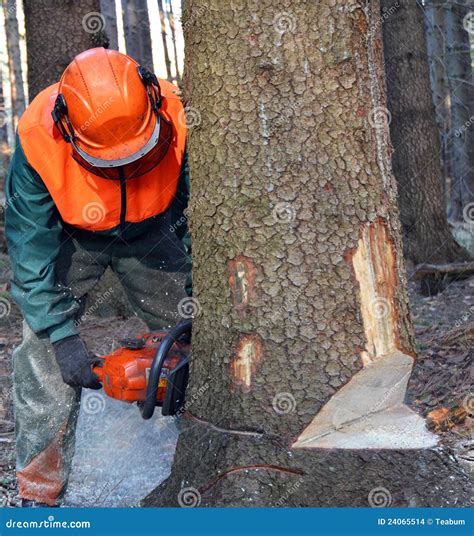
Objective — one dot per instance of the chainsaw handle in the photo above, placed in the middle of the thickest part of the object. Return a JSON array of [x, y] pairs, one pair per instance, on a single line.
[[148, 407], [99, 372]]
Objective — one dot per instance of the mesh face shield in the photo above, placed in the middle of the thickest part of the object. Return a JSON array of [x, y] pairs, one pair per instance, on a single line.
[[135, 165]]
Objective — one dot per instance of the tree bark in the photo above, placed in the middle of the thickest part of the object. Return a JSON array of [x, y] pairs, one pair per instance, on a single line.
[[461, 84], [56, 31], [136, 25], [107, 8], [302, 335], [14, 60], [417, 150]]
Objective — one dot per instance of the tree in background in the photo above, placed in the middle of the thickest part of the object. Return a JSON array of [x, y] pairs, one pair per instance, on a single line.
[[107, 8], [4, 156], [415, 136], [3, 119], [457, 59], [439, 81], [136, 25], [302, 342], [173, 38], [14, 60], [56, 31], [163, 38]]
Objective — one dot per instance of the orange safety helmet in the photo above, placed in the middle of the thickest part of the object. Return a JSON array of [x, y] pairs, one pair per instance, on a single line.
[[108, 108]]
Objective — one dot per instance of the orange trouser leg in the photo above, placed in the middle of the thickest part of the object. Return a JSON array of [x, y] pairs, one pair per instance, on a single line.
[[46, 411]]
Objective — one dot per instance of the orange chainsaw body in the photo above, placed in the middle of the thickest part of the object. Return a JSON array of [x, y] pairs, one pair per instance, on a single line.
[[124, 372]]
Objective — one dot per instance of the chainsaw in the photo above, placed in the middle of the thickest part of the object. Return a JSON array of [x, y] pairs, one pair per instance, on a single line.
[[151, 370]]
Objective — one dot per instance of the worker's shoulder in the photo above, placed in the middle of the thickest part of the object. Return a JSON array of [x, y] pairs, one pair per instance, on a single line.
[[39, 110], [169, 90]]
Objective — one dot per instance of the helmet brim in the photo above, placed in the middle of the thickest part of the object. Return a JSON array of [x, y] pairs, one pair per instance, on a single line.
[[117, 162]]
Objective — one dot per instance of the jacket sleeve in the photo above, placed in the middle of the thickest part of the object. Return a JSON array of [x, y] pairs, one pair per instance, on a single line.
[[33, 231], [179, 219]]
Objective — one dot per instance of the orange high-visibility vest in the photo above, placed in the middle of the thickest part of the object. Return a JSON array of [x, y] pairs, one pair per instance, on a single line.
[[86, 200]]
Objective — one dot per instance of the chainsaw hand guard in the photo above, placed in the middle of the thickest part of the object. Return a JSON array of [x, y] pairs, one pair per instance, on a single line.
[[174, 395]]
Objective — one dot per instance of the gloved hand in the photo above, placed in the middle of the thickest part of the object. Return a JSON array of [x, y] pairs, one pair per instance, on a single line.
[[75, 363]]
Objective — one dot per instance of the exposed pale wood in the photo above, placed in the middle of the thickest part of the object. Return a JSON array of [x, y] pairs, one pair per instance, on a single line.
[[375, 271]]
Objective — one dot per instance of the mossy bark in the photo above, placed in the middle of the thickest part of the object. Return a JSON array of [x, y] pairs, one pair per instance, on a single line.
[[290, 181]]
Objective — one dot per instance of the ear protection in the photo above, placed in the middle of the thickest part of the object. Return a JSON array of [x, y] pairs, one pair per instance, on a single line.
[[152, 87], [60, 115]]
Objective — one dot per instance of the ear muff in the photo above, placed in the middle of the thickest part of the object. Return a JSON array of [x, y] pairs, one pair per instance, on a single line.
[[61, 119], [152, 87]]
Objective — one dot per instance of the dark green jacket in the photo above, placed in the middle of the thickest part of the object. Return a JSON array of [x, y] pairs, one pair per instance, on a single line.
[[34, 231]]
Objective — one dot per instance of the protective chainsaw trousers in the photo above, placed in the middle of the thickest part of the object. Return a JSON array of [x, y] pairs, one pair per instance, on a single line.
[[152, 269]]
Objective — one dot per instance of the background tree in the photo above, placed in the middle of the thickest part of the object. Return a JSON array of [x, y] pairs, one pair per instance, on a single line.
[[415, 136], [302, 328], [435, 42], [173, 37], [4, 156], [56, 31], [163, 38], [107, 8], [3, 118], [458, 63], [136, 25], [14, 60]]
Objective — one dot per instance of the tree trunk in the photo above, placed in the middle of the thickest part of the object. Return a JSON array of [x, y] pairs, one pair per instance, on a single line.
[[439, 83], [302, 341], [417, 150], [3, 124], [163, 38], [461, 83], [107, 8], [136, 26], [56, 31], [173, 38], [14, 60]]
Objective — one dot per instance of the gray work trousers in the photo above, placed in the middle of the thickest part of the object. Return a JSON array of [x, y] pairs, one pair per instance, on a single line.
[[152, 269]]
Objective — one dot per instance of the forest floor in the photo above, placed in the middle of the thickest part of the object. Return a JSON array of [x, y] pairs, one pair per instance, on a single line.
[[121, 460]]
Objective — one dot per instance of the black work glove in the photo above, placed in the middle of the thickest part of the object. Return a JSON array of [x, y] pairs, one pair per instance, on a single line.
[[75, 363]]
